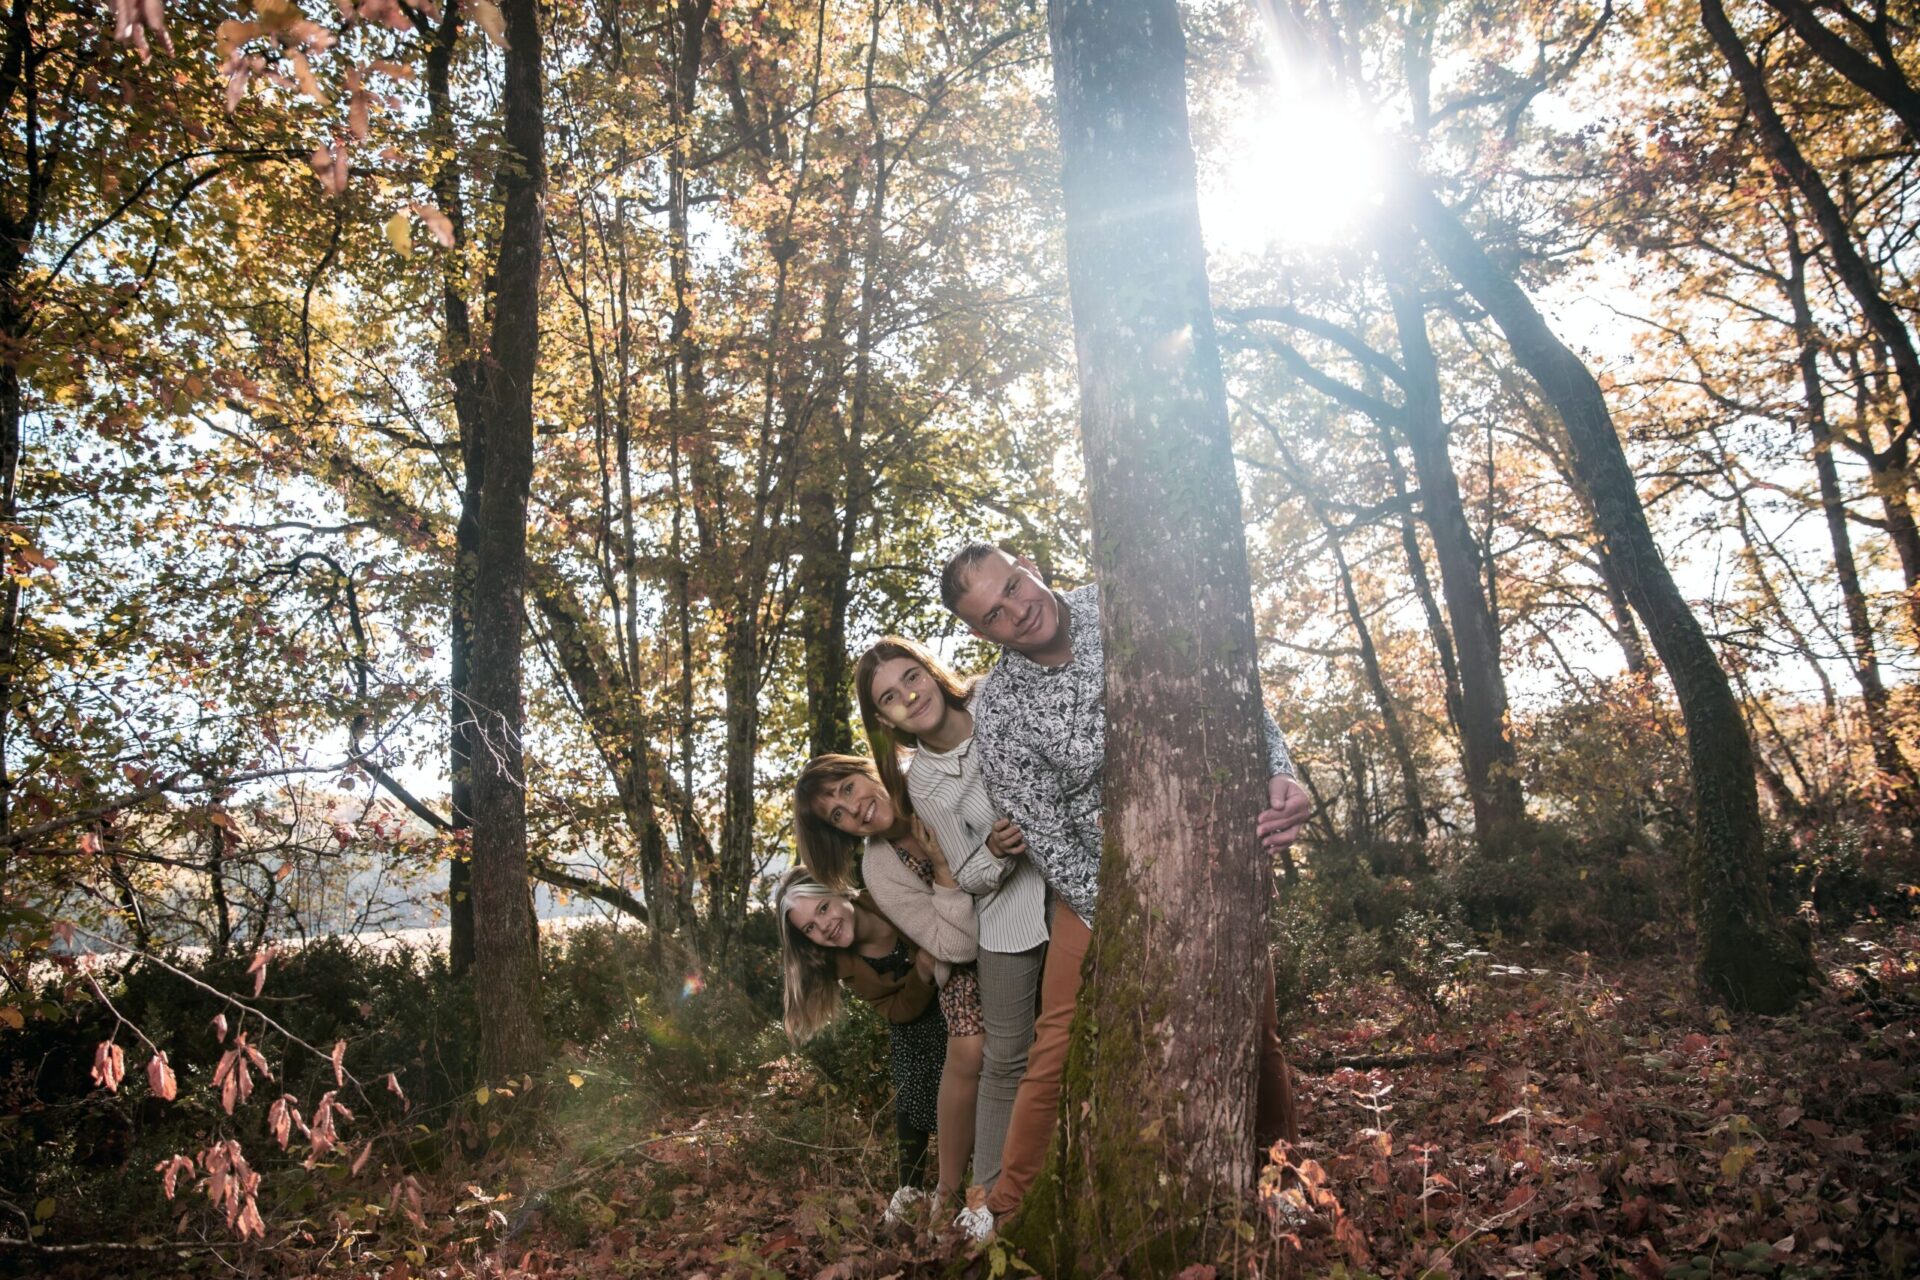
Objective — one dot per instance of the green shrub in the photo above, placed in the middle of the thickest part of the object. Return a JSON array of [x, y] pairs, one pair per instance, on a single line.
[[1611, 891], [677, 1022], [1842, 871]]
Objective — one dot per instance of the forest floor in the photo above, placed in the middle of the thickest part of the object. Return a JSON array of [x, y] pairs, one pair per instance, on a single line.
[[1533, 1115]]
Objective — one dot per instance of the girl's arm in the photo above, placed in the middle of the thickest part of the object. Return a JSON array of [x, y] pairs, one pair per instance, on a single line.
[[975, 869], [906, 1002], [940, 918]]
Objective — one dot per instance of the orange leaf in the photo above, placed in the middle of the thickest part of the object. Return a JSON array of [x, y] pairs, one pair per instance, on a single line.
[[160, 1078]]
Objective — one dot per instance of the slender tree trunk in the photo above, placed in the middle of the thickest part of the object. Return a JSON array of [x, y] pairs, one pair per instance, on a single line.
[[1486, 744], [21, 201], [10, 414], [691, 456], [217, 892], [1854, 271], [1422, 580], [1626, 632], [469, 411], [1745, 954], [727, 886], [1159, 1102], [1866, 657], [643, 816], [1377, 682], [460, 707], [823, 579], [506, 952], [1397, 741]]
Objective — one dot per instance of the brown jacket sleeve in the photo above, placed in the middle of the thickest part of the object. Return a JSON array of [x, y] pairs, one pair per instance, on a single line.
[[896, 999]]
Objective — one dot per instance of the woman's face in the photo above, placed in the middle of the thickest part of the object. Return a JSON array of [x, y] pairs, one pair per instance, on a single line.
[[827, 922], [907, 697], [856, 804]]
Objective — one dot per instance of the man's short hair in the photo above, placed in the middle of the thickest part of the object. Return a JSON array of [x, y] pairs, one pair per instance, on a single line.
[[953, 578]]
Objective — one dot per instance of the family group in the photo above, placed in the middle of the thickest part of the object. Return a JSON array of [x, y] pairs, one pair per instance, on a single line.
[[951, 880]]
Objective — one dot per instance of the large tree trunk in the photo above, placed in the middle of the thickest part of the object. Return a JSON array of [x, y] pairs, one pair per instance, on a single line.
[[1159, 1099], [1486, 744], [506, 960], [1744, 954]]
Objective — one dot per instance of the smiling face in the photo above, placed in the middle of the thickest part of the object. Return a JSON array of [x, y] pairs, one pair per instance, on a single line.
[[907, 697], [856, 804], [1005, 602], [826, 921]]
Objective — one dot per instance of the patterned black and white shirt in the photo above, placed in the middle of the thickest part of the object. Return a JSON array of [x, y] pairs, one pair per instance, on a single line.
[[1041, 735]]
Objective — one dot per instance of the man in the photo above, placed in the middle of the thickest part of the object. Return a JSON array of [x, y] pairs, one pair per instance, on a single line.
[[1039, 722]]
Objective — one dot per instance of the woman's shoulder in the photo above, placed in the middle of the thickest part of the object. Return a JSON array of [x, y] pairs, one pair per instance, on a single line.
[[878, 859]]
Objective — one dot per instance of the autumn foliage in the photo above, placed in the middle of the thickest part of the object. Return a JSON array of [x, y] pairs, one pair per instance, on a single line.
[[798, 327]]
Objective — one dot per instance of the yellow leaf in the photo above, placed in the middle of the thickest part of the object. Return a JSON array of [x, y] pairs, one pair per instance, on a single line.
[[483, 1095], [1735, 1160], [400, 233], [574, 1078], [12, 1017], [43, 1210]]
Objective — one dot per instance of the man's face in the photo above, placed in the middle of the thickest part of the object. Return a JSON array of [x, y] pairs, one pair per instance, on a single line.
[[1005, 602]]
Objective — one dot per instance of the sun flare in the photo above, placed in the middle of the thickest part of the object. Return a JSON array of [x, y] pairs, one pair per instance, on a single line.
[[1301, 165]]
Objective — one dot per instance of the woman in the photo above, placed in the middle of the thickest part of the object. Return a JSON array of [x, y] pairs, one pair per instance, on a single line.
[[910, 701], [840, 804], [829, 938]]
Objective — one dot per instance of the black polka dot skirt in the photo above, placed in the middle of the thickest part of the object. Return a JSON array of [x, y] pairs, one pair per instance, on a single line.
[[918, 1050]]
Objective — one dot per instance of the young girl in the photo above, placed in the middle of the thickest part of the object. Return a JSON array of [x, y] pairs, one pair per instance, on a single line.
[[840, 802], [910, 701], [829, 938]]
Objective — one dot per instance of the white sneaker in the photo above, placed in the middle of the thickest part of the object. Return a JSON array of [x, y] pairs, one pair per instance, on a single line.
[[977, 1224], [902, 1204]]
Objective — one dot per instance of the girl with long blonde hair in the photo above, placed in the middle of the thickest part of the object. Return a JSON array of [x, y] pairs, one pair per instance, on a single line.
[[832, 938]]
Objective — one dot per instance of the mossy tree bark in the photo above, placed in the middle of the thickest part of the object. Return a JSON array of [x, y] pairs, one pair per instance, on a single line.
[[1744, 953], [506, 973], [1159, 1097]]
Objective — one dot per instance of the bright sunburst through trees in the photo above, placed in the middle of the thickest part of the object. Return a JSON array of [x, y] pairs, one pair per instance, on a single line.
[[454, 454]]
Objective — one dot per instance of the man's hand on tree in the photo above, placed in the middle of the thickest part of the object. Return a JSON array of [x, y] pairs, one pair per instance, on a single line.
[[1287, 811]]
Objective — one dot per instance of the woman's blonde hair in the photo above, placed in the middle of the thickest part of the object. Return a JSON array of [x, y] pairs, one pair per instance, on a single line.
[[829, 853], [811, 998], [886, 740]]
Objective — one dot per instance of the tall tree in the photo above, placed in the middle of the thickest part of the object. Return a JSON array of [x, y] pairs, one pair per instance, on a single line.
[[1744, 953], [1486, 743], [465, 373], [506, 941], [1158, 1116]]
